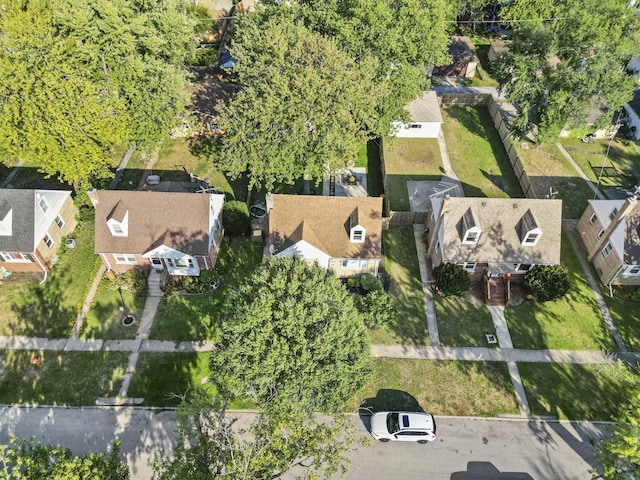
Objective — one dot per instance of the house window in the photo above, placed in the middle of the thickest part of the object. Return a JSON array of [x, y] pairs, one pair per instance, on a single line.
[[531, 238], [469, 266], [599, 271], [16, 257], [633, 270], [357, 236], [523, 267], [415, 125], [600, 233], [471, 237], [60, 222], [116, 228], [354, 264], [592, 219], [48, 240], [184, 262], [44, 205], [613, 213], [125, 259], [606, 251]]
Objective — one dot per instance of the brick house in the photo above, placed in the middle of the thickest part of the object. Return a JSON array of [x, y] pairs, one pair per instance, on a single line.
[[33, 224], [179, 233], [342, 234]]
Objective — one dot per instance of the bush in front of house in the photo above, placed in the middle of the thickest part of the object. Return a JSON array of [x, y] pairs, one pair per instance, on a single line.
[[547, 282], [235, 218], [377, 308], [452, 279]]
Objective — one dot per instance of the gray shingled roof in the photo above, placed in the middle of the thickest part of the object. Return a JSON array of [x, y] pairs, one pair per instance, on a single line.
[[22, 202]]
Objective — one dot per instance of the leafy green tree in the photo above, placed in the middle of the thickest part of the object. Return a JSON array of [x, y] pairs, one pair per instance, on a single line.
[[27, 459], [293, 117], [78, 76], [291, 331], [559, 70], [280, 438], [548, 282], [377, 308], [452, 279]]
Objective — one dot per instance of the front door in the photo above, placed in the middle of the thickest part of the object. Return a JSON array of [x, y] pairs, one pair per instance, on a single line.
[[157, 263]]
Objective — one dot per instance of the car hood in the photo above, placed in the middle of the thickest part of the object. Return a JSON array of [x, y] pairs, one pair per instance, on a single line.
[[379, 423]]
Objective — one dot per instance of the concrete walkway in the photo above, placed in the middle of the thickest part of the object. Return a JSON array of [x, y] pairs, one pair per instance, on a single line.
[[427, 279], [577, 168]]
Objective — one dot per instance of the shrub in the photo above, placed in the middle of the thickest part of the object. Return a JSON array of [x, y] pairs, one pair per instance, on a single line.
[[547, 282], [235, 218], [452, 279], [377, 308], [353, 283], [369, 283], [133, 280]]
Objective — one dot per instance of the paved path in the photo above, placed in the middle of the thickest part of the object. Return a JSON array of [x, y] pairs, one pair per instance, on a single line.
[[12, 174], [577, 168], [426, 275]]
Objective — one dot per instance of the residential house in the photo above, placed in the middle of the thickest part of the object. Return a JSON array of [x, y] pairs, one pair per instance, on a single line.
[[342, 234], [609, 230], [464, 60], [497, 240], [33, 224], [425, 118], [179, 233], [632, 115]]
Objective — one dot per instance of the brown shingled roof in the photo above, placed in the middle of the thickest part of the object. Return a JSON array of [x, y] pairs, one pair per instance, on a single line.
[[324, 222], [177, 220]]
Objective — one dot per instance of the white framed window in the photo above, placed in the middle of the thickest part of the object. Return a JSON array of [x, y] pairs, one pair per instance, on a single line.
[[48, 240], [354, 264], [613, 214], [116, 229], [606, 251], [592, 219], [415, 125], [599, 271], [633, 270], [469, 266], [531, 238], [600, 233], [184, 262], [60, 222], [358, 236], [44, 205], [125, 259], [16, 257], [523, 267], [471, 236]]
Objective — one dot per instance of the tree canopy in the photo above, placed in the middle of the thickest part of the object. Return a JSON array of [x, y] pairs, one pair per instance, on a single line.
[[561, 69], [291, 331], [27, 459], [283, 437], [78, 76]]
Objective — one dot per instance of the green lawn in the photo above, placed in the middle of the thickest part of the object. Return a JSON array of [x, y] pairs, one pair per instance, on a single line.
[[477, 154], [104, 319], [548, 169], [62, 378], [50, 309], [441, 388], [626, 316], [623, 155], [409, 159], [575, 392], [570, 323], [401, 263], [461, 324]]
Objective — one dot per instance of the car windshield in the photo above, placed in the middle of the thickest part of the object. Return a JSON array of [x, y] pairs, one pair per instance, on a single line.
[[393, 422]]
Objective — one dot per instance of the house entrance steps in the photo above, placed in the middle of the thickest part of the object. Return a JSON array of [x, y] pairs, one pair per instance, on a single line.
[[154, 283]]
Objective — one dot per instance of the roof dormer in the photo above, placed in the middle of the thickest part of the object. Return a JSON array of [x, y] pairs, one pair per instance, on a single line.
[[530, 232], [357, 232], [470, 230], [118, 221], [6, 223]]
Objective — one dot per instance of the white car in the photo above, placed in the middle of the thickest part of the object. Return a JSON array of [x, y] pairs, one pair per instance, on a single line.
[[403, 427]]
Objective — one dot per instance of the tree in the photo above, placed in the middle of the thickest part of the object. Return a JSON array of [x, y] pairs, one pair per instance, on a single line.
[[377, 307], [292, 117], [35, 461], [235, 218], [559, 70], [282, 437], [548, 282], [291, 331], [452, 279], [79, 76]]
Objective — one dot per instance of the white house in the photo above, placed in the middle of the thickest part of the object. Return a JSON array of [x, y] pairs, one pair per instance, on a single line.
[[632, 110], [425, 118]]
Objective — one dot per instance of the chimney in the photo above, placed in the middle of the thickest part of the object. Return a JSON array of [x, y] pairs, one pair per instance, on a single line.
[[93, 196], [269, 201]]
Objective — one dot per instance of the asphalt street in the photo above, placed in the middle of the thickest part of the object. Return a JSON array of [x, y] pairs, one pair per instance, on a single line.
[[466, 448]]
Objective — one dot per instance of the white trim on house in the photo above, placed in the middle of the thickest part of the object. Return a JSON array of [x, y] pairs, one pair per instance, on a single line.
[[305, 252], [6, 224], [125, 259], [119, 229]]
